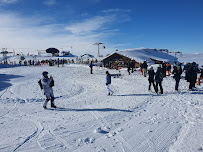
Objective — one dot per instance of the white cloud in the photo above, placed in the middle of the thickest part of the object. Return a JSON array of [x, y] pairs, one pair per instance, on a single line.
[[90, 25], [20, 32], [7, 1], [116, 10], [50, 2]]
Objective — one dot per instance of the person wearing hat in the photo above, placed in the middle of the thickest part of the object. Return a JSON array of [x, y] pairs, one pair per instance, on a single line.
[[108, 83], [151, 78], [47, 84]]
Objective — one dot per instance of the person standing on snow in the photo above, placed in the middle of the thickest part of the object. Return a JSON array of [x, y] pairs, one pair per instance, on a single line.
[[168, 68], [159, 79], [151, 78], [185, 69], [132, 66], [200, 77], [144, 68], [91, 67], [177, 76], [128, 67], [164, 69], [46, 85], [108, 83], [192, 75]]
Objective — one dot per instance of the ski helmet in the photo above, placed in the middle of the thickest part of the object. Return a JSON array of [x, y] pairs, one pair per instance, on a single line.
[[44, 73]]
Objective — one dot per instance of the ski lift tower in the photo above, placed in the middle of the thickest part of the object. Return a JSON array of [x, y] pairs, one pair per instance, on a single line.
[[5, 52], [99, 43]]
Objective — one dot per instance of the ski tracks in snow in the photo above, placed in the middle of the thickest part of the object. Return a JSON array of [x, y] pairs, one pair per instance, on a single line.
[[129, 121]]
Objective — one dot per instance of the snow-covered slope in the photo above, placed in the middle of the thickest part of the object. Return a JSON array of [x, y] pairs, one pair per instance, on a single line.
[[195, 57], [86, 120], [141, 55]]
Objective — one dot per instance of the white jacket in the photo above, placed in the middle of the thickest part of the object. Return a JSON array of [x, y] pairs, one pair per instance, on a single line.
[[46, 83]]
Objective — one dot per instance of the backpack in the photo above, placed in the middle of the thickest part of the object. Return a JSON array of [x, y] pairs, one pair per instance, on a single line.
[[40, 84], [52, 83]]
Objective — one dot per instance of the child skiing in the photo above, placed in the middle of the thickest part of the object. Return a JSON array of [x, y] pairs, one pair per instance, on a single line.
[[46, 84]]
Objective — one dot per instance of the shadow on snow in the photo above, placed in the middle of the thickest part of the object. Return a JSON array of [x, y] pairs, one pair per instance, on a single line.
[[134, 95], [4, 78], [102, 110]]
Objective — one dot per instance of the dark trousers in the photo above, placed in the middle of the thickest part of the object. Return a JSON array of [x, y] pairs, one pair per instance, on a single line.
[[129, 71], [160, 85], [192, 84], [177, 84], [152, 83], [91, 71]]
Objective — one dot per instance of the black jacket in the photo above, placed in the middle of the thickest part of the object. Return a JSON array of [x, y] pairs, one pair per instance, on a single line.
[[144, 65], [192, 73], [177, 73], [159, 75], [151, 75]]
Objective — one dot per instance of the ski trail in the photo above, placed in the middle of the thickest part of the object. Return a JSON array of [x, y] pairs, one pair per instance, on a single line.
[[126, 146], [12, 109], [4, 92], [181, 136], [26, 140]]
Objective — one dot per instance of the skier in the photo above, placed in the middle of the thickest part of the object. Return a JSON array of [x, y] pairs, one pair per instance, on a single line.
[[159, 79], [177, 76], [47, 84], [151, 78], [108, 83]]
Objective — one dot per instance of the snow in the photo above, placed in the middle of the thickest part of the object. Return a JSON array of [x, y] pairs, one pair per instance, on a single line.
[[141, 55], [191, 57], [87, 120]]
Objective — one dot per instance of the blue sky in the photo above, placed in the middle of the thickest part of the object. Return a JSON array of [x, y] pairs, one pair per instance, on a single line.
[[27, 25]]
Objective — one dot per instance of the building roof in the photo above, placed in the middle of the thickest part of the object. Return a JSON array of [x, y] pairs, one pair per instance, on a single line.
[[143, 54]]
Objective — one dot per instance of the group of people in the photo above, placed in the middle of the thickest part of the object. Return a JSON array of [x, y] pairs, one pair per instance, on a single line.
[[154, 78], [49, 62], [191, 70]]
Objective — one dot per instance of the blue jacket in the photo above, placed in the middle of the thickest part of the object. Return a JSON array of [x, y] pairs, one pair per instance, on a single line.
[[91, 65], [108, 79]]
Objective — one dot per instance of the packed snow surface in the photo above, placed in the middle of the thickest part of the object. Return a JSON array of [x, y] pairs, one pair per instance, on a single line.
[[87, 120]]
